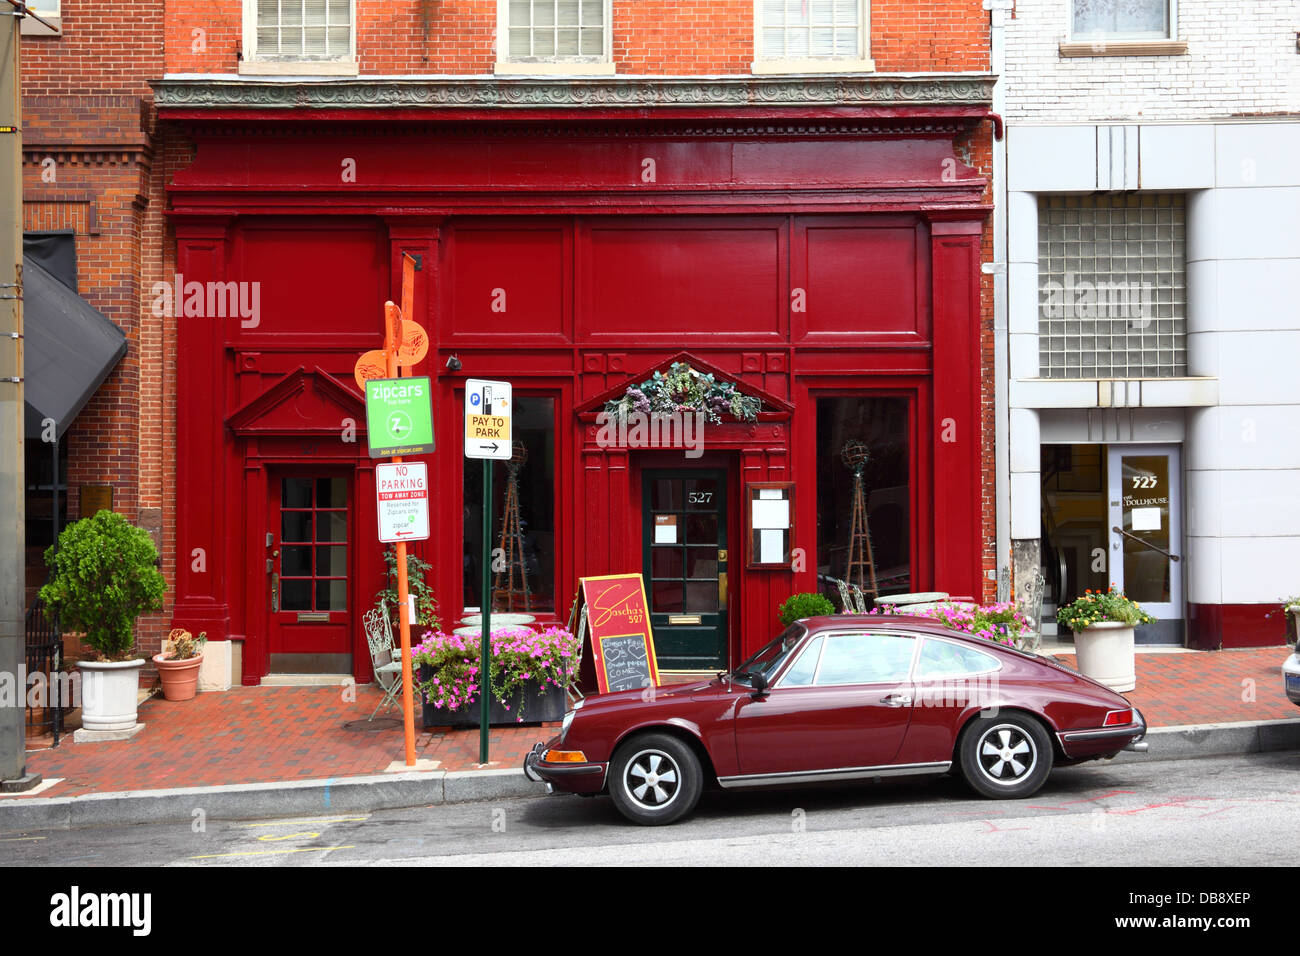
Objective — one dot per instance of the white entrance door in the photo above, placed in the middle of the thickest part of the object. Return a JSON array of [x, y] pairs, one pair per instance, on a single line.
[[1144, 522]]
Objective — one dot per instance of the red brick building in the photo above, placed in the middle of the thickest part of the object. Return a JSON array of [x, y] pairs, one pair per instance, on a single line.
[[791, 197]]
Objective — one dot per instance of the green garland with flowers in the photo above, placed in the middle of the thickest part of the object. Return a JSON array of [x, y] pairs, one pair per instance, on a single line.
[[686, 389], [1094, 607]]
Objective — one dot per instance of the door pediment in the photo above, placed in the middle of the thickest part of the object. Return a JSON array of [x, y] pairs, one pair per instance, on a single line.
[[773, 407], [301, 403]]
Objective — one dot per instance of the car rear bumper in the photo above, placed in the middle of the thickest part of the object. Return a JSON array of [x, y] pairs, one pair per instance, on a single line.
[[1105, 741], [1291, 677], [564, 777]]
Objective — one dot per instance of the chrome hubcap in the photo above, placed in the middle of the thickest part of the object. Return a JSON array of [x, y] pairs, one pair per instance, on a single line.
[[652, 779], [1007, 754]]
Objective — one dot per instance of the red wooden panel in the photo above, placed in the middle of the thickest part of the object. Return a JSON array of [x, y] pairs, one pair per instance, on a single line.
[[312, 280], [506, 284], [649, 281], [860, 280]]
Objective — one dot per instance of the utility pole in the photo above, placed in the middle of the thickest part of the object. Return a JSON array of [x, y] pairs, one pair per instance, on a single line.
[[13, 541]]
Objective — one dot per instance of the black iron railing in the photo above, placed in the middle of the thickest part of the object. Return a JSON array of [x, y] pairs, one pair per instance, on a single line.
[[47, 705]]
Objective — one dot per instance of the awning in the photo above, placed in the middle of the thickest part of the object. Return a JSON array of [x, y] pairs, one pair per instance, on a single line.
[[69, 348]]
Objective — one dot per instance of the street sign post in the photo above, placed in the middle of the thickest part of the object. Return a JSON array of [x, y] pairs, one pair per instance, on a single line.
[[399, 416], [488, 417], [402, 496]]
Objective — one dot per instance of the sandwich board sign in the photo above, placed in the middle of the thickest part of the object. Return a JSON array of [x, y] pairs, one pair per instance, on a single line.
[[487, 419], [399, 416], [402, 492]]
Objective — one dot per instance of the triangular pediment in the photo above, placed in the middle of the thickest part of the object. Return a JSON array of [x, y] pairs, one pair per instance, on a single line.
[[773, 407], [301, 403]]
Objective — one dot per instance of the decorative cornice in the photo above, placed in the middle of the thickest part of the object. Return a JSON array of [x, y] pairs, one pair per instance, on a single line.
[[536, 93]]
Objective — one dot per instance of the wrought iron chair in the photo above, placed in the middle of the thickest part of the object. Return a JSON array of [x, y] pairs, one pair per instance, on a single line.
[[388, 672]]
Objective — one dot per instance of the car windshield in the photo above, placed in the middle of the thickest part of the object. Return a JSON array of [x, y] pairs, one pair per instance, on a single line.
[[769, 660]]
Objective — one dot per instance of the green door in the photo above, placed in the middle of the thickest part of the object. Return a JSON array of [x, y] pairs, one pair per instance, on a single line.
[[684, 554]]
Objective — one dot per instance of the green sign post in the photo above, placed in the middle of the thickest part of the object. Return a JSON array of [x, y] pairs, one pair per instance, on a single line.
[[399, 416]]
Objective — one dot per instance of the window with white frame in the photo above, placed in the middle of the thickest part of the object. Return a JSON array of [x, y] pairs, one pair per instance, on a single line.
[[49, 12], [809, 35], [299, 30], [1122, 19], [1112, 275], [544, 31]]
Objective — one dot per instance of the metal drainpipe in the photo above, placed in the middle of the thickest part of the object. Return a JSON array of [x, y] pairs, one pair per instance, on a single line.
[[1001, 359]]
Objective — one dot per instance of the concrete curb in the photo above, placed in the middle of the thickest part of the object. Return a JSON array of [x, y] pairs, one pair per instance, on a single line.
[[391, 791]]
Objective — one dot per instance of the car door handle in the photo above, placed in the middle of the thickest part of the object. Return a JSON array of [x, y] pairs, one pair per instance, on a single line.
[[897, 700]]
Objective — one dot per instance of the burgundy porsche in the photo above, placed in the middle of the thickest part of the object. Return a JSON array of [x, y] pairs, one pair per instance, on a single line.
[[834, 699]]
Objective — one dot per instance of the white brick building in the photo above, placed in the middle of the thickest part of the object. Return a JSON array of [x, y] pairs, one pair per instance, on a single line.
[[1149, 207]]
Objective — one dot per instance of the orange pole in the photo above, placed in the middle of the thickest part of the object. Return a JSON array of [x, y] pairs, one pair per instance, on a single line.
[[393, 339]]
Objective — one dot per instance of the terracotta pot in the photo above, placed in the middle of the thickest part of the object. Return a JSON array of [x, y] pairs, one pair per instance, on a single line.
[[1105, 653], [180, 679], [108, 694]]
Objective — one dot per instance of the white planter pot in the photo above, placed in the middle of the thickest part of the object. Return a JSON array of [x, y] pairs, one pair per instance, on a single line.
[[1105, 653], [109, 694]]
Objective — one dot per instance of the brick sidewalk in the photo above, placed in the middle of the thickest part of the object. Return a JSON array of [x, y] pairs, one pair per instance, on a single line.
[[270, 734]]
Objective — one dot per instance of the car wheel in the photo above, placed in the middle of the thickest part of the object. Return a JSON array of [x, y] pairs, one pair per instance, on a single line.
[[655, 779], [1006, 757]]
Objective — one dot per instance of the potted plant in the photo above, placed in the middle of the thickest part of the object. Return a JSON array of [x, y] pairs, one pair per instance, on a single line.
[[1103, 622], [1291, 612], [103, 575], [178, 664], [807, 604], [426, 605], [530, 672]]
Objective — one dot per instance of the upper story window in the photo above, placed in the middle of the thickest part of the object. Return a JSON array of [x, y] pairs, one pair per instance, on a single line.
[[1122, 19], [1112, 274], [553, 36], [298, 36], [47, 10], [805, 36]]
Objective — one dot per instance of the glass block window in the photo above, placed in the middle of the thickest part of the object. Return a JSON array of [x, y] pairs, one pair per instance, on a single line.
[[303, 29], [1139, 19], [1112, 286], [810, 28], [557, 29]]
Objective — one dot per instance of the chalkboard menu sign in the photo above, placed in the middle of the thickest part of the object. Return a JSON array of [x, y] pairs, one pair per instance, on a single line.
[[622, 645]]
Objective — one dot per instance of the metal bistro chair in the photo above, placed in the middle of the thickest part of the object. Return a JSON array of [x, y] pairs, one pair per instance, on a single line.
[[388, 672]]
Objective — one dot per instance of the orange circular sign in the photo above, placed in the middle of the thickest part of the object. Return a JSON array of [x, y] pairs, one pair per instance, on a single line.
[[415, 343], [372, 364]]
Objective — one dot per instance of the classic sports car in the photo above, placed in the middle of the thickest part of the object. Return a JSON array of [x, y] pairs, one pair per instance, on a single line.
[[840, 698]]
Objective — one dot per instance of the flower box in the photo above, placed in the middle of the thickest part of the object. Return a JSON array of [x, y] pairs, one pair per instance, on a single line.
[[538, 706]]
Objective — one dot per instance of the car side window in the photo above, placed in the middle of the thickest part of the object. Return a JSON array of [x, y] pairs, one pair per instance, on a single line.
[[801, 672], [865, 659], [946, 659]]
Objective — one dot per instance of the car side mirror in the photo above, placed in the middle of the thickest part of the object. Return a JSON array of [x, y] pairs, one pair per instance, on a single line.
[[759, 683]]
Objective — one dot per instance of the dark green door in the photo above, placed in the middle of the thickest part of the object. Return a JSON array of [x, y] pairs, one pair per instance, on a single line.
[[684, 554]]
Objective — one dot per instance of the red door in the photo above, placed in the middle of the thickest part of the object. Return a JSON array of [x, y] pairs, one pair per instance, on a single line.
[[310, 522]]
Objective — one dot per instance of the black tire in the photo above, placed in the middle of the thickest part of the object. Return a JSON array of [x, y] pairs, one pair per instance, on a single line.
[[655, 779], [1005, 757]]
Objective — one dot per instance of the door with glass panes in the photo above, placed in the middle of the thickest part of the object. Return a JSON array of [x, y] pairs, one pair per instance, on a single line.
[[685, 566], [308, 552], [1145, 528]]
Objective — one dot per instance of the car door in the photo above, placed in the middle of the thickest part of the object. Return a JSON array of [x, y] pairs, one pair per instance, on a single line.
[[843, 704]]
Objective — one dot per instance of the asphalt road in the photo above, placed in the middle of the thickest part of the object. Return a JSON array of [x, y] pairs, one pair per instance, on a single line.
[[1216, 811]]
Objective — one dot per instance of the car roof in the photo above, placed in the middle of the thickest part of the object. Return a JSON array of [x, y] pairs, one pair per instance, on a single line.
[[909, 622]]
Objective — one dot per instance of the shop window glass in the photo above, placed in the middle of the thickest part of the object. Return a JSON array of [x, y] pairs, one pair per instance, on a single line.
[[874, 428], [534, 503]]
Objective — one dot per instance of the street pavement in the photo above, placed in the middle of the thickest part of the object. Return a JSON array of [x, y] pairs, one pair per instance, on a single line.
[[1222, 811]]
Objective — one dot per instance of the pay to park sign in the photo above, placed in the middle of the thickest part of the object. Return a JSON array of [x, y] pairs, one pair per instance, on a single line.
[[402, 490], [487, 419], [399, 417]]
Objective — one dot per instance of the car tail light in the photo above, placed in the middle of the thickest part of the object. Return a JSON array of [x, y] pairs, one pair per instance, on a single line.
[[565, 756], [1118, 718]]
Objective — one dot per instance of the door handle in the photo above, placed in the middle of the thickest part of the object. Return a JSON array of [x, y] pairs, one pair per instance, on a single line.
[[897, 700], [275, 592]]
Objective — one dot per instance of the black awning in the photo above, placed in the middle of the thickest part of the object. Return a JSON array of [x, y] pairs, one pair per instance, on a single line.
[[69, 347]]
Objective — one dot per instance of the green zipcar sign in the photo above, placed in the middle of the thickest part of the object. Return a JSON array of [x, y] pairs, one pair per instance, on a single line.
[[399, 416]]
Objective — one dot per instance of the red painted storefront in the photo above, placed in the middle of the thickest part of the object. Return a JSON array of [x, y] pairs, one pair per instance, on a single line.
[[805, 252]]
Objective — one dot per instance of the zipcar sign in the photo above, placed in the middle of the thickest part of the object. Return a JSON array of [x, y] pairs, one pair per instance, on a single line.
[[399, 416]]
